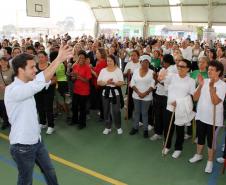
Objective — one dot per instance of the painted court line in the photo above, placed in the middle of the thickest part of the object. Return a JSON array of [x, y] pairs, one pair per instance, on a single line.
[[11, 163], [78, 167]]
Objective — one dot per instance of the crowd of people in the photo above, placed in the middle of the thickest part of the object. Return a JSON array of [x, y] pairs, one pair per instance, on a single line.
[[168, 85]]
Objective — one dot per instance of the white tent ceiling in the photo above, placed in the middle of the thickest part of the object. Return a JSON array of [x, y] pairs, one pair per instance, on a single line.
[[159, 11]]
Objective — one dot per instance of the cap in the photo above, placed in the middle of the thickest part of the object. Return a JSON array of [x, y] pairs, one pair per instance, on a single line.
[[145, 57]]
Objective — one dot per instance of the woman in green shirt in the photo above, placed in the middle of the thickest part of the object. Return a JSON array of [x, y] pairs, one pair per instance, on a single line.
[[203, 64], [155, 60]]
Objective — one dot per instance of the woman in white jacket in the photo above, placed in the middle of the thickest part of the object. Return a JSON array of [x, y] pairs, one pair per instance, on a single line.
[[179, 86], [210, 93]]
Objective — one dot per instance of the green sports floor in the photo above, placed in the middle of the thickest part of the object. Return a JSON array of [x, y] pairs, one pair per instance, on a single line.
[[87, 157]]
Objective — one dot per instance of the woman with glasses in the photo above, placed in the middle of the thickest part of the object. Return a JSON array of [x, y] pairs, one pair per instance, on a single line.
[[180, 87]]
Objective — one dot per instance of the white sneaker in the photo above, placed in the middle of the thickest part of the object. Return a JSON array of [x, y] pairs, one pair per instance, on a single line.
[[42, 126], [50, 130], [196, 140], [150, 127], [222, 149], [176, 154], [220, 160], [209, 167], [140, 124], [186, 136], [165, 151], [196, 158], [120, 131], [106, 131], [155, 137]]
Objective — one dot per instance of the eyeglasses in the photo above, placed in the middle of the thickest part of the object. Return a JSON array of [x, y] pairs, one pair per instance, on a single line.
[[181, 66]]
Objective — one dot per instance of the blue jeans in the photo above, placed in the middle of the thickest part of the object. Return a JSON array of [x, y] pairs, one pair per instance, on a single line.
[[140, 108], [26, 156]]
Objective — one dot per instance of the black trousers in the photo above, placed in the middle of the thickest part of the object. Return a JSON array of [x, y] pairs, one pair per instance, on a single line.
[[100, 102], [130, 103], [160, 103], [79, 109], [204, 131], [44, 104], [3, 113], [179, 132]]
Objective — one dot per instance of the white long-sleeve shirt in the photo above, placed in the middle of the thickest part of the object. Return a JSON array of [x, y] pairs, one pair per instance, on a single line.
[[21, 109]]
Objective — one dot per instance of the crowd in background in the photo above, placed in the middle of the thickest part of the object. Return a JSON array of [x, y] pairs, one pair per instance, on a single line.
[[164, 81]]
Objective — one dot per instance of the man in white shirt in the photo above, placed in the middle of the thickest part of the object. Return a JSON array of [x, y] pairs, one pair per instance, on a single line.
[[186, 50], [26, 146]]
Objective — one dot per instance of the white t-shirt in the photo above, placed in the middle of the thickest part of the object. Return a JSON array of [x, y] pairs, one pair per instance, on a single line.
[[142, 84], [132, 66], [187, 53], [172, 69], [128, 50], [205, 107], [105, 75], [178, 88]]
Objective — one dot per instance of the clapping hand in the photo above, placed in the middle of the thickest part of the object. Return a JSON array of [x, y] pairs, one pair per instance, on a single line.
[[200, 80], [65, 53]]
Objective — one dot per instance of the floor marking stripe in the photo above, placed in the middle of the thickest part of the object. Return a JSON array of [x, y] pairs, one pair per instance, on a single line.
[[79, 168], [11, 163]]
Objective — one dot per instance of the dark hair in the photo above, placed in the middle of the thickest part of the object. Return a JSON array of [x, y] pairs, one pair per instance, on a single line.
[[14, 48], [5, 59], [53, 55], [219, 67], [188, 63], [37, 44], [113, 58], [212, 50], [167, 58], [8, 50], [223, 50], [102, 53], [136, 51], [43, 53], [31, 48], [20, 61], [82, 52]]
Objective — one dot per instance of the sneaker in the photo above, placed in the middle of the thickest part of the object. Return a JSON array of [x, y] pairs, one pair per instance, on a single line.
[[42, 126], [140, 124], [120, 131], [220, 160], [176, 154], [196, 140], [106, 131], [133, 131], [155, 137], [150, 127], [186, 136], [222, 149], [88, 117], [146, 134], [165, 151], [196, 158], [81, 126], [50, 130], [209, 167]]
